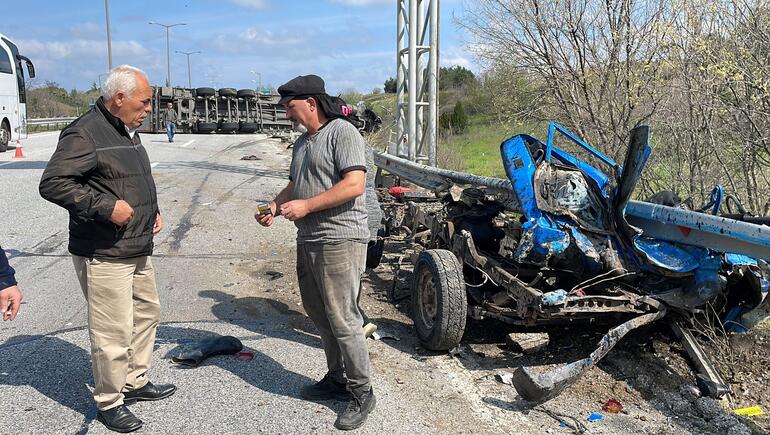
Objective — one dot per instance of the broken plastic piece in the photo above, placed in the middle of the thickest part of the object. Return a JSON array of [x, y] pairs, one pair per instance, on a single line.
[[504, 378], [246, 355], [556, 297], [595, 417], [750, 412], [612, 406]]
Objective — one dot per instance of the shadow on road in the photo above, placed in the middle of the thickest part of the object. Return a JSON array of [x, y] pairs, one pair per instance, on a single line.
[[54, 367]]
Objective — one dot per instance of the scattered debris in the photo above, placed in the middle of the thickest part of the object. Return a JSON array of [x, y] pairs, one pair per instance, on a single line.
[[245, 355], [612, 406], [504, 378], [595, 416], [564, 420], [528, 343], [370, 329], [554, 298], [273, 274], [750, 412], [250, 157]]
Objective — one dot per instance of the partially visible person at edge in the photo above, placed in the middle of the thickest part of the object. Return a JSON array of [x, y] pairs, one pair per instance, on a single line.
[[10, 295], [170, 118], [100, 173], [325, 200]]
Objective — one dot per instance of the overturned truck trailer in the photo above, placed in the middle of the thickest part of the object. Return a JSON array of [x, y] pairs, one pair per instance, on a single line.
[[553, 244], [225, 110]]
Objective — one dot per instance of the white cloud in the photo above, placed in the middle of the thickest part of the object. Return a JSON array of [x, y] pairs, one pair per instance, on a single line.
[[363, 2], [79, 49], [252, 4]]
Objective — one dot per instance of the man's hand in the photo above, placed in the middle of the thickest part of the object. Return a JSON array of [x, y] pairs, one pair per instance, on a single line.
[[265, 219], [122, 213], [10, 301], [296, 209], [158, 225]]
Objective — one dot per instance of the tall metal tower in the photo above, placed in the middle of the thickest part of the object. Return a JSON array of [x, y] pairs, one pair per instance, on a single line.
[[417, 80]]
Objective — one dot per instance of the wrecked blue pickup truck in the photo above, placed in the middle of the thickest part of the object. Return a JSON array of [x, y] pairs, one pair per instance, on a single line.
[[561, 241]]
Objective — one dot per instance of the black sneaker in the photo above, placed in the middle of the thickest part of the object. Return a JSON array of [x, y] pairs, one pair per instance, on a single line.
[[359, 407], [325, 389]]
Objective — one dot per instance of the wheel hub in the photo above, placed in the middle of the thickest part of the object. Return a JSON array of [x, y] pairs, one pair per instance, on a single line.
[[428, 298]]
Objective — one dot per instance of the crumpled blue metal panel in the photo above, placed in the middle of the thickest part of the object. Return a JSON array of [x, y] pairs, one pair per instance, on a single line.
[[540, 242], [666, 255]]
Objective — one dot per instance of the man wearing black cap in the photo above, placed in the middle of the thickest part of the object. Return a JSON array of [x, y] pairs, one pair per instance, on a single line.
[[325, 200]]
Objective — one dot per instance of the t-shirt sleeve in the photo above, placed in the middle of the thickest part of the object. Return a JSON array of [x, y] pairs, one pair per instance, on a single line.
[[349, 150]]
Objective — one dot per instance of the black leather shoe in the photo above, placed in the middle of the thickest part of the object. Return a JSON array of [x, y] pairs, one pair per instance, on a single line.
[[119, 419], [149, 392]]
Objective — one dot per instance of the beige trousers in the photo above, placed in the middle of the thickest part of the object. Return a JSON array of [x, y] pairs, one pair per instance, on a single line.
[[123, 313]]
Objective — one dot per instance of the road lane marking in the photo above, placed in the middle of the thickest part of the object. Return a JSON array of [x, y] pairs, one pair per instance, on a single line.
[[154, 164], [7, 163], [184, 145]]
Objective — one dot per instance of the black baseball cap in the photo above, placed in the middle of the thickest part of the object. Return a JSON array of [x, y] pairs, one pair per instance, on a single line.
[[301, 87]]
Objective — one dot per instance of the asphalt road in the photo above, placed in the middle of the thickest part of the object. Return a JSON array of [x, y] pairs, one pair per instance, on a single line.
[[211, 259]]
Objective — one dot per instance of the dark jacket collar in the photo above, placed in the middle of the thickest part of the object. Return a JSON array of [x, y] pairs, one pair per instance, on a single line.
[[112, 119]]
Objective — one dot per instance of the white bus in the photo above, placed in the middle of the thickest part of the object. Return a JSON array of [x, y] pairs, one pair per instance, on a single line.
[[13, 95]]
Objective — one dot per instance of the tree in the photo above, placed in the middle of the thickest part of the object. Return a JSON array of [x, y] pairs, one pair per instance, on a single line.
[[594, 61], [455, 77], [390, 86], [456, 121], [459, 118]]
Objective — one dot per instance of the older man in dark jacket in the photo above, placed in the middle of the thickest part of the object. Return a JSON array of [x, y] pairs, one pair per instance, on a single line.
[[100, 173]]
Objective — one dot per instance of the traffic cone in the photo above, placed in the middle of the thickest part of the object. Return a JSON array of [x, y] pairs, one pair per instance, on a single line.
[[19, 151]]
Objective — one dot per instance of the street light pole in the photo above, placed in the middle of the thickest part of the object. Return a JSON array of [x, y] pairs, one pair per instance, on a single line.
[[260, 79], [189, 79], [109, 39], [168, 47]]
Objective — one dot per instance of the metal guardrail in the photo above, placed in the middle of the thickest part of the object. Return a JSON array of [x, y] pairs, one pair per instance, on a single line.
[[661, 222], [434, 178], [50, 121]]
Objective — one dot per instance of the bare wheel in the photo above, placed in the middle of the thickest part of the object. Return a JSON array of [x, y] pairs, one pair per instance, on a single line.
[[439, 303]]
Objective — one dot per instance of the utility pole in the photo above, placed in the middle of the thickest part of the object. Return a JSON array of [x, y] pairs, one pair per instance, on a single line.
[[168, 47], [109, 38], [189, 79], [417, 62]]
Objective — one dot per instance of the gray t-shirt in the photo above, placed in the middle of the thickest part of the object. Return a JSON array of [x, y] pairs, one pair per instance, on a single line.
[[317, 164]]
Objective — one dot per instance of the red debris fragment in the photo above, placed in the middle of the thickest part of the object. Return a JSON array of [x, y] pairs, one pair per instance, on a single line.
[[612, 406], [245, 355]]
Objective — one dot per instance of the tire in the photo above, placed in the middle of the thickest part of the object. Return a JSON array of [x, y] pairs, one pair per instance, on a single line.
[[244, 93], [228, 127], [205, 92], [206, 127], [248, 127], [5, 136], [439, 302], [227, 92]]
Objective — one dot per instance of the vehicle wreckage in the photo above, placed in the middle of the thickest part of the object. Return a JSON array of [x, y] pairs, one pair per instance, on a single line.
[[560, 241]]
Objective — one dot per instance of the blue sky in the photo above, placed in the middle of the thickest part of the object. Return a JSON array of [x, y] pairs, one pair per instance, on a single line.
[[351, 43]]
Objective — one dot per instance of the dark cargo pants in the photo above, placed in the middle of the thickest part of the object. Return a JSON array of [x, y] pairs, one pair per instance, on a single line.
[[329, 276]]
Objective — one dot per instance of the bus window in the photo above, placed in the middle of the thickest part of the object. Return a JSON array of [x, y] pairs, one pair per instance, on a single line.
[[19, 71], [5, 63]]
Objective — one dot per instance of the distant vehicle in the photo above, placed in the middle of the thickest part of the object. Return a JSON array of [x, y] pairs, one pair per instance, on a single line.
[[13, 95]]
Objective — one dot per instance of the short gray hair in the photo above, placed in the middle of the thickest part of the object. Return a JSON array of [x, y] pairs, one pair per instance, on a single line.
[[121, 79]]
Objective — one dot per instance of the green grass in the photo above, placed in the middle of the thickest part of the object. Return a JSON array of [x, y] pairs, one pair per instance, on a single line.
[[477, 150]]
